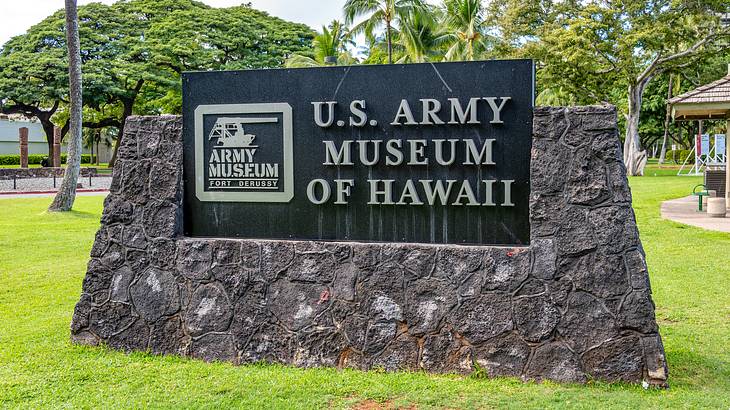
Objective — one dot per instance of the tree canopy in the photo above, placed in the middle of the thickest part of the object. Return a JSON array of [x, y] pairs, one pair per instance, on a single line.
[[133, 53], [621, 52]]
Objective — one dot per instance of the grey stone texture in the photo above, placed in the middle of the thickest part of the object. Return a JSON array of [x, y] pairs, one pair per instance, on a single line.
[[573, 306]]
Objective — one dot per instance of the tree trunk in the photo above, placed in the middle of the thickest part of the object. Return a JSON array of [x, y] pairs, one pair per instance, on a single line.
[[48, 130], [634, 157], [667, 118], [388, 40], [44, 118], [66, 195]]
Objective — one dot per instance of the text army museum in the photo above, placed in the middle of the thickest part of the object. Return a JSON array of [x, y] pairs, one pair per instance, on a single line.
[[430, 153]]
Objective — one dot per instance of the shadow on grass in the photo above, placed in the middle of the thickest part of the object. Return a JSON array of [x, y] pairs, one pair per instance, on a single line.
[[693, 371], [70, 214]]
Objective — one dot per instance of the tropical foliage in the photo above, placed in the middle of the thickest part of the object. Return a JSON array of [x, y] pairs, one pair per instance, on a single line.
[[586, 52], [329, 47], [132, 55]]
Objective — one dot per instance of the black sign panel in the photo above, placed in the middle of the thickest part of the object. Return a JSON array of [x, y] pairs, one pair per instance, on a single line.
[[433, 153]]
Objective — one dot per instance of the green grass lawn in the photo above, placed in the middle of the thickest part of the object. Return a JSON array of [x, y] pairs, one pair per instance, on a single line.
[[653, 169], [42, 264]]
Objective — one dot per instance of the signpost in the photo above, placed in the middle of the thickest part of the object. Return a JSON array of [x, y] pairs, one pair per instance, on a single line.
[[705, 145], [433, 153], [720, 148]]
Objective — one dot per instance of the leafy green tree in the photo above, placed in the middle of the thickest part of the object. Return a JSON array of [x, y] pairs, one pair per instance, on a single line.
[[330, 44], [420, 37], [39, 58], [464, 22], [33, 74], [375, 50], [132, 54], [555, 96], [602, 50], [379, 12]]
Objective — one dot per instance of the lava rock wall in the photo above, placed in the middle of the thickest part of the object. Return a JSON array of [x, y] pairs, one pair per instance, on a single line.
[[574, 305]]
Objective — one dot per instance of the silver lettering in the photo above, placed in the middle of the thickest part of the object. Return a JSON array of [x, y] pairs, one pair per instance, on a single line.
[[496, 109], [311, 195], [431, 107], [483, 157], [409, 192], [387, 191], [393, 148], [356, 108], [507, 192], [404, 110], [488, 189], [343, 190], [335, 157], [318, 113], [417, 152], [458, 112], [363, 148], [438, 145], [466, 192], [438, 191]]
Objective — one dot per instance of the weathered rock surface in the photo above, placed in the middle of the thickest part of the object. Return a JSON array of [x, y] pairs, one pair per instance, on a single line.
[[574, 305]]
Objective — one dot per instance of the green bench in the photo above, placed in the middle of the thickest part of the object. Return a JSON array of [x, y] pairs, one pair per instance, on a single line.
[[701, 194]]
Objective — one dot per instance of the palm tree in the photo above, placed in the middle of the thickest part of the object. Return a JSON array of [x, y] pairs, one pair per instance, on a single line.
[[328, 45], [463, 20], [556, 97], [420, 37], [66, 195], [388, 12]]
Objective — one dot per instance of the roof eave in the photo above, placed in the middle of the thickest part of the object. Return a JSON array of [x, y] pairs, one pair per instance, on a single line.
[[705, 111]]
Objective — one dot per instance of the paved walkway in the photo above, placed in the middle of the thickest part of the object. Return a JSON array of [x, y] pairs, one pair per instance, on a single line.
[[684, 210], [46, 184]]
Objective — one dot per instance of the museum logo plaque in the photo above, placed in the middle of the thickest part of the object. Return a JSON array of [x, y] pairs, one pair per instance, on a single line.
[[246, 153], [437, 154]]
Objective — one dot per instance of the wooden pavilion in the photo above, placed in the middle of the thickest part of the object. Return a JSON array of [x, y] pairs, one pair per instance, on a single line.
[[707, 102]]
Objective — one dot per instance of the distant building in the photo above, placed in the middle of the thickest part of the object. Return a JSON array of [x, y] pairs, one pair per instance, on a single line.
[[37, 144], [9, 127]]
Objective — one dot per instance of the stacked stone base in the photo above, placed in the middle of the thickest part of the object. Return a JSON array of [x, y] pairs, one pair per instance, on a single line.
[[574, 305]]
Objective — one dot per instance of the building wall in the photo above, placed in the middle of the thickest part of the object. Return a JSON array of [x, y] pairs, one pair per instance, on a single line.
[[10, 145]]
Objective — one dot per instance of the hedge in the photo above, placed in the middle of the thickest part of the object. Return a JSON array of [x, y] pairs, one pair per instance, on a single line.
[[680, 155], [37, 158]]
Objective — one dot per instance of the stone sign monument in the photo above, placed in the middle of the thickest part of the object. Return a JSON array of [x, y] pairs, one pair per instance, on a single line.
[[419, 217]]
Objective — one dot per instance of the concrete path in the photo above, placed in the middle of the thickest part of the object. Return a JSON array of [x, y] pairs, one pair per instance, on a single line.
[[684, 210], [47, 184]]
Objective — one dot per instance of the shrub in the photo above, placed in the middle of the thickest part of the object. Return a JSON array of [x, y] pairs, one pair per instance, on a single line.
[[37, 159], [680, 155]]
